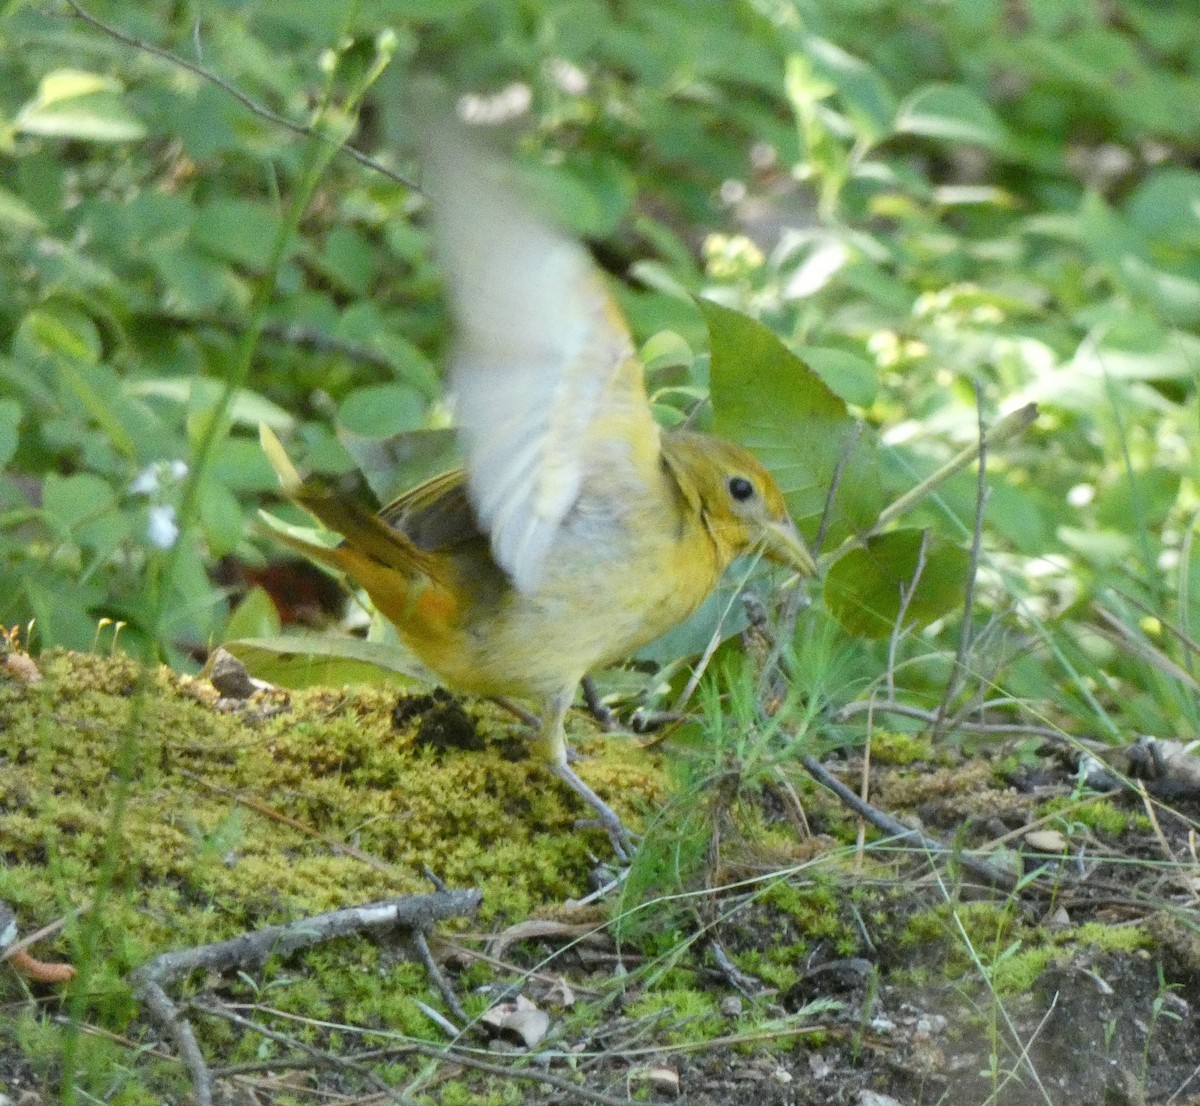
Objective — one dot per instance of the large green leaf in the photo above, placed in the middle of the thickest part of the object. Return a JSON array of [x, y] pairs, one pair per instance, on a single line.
[[393, 465], [765, 397], [317, 660], [10, 419], [82, 106], [952, 113], [865, 588]]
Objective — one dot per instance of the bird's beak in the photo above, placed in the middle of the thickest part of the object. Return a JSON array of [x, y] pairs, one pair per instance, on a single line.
[[782, 543]]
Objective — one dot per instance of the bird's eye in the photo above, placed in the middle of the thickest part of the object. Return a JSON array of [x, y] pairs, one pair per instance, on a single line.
[[740, 488]]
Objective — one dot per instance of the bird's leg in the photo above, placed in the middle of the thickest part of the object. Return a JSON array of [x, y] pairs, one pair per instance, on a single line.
[[553, 742]]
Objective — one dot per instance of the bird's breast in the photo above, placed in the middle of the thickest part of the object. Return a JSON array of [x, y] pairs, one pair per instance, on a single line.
[[622, 570]]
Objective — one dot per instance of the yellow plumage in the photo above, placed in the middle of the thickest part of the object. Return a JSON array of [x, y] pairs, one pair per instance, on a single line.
[[578, 531]]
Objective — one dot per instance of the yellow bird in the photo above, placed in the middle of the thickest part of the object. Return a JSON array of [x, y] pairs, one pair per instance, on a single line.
[[578, 530]]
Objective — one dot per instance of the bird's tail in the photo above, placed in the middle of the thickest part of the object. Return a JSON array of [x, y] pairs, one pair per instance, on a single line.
[[371, 552]]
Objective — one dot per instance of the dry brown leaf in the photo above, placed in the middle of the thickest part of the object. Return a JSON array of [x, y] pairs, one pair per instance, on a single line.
[[520, 1022], [535, 928]]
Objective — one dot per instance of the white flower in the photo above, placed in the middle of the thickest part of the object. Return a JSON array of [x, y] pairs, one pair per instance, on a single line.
[[163, 530], [146, 482]]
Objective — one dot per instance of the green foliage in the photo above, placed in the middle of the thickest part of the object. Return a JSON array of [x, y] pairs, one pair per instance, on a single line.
[[915, 203], [897, 218]]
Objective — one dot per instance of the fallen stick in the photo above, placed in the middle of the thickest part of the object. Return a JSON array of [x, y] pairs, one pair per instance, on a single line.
[[989, 873], [417, 913]]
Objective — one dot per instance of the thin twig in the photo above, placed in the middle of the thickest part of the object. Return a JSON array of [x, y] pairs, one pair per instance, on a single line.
[[1008, 427], [989, 873], [458, 1056], [444, 1023], [864, 793], [414, 912], [954, 682], [231, 89], [171, 1019], [439, 979], [898, 628], [734, 976], [991, 729], [1148, 806], [326, 1059]]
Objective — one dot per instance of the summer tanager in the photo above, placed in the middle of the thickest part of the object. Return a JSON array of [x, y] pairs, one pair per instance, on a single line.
[[578, 529]]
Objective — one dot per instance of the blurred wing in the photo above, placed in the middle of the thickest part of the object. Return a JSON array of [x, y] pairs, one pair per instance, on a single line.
[[547, 388]]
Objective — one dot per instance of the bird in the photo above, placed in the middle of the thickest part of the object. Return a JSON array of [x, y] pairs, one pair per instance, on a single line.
[[577, 530]]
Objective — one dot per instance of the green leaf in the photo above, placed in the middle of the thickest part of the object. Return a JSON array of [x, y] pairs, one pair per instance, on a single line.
[[85, 507], [666, 350], [951, 113], [325, 660], [1175, 298], [1141, 350], [1166, 206], [853, 378], [222, 517], [256, 616], [382, 410], [865, 94], [248, 409], [79, 105], [1140, 500], [10, 420], [240, 231], [393, 465], [88, 389], [765, 397], [348, 259], [17, 216], [62, 608], [864, 588], [59, 331]]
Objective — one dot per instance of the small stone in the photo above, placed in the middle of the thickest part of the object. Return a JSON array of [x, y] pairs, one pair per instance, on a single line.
[[731, 1006], [22, 666], [874, 1098], [1046, 841], [1059, 919], [229, 676], [664, 1080], [818, 1066], [782, 1076]]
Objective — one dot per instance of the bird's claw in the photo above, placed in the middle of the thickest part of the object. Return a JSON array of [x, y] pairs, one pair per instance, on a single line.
[[606, 818]]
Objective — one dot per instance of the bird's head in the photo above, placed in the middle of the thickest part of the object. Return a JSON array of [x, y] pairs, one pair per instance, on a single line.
[[737, 499]]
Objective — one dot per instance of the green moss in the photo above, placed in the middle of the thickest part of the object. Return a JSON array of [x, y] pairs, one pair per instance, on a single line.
[[470, 1094], [1017, 970], [967, 939], [1109, 938], [776, 967], [688, 1015], [1102, 816], [299, 803], [889, 747]]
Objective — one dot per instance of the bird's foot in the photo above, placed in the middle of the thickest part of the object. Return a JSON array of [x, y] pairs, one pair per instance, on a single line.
[[598, 709], [622, 841]]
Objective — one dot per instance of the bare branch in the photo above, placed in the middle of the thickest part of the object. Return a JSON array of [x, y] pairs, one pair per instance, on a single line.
[[220, 82], [954, 682], [413, 912], [989, 873]]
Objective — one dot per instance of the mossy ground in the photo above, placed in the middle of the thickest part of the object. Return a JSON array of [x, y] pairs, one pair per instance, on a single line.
[[192, 820]]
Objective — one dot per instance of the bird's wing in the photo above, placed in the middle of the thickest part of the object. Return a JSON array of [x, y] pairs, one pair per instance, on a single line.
[[543, 372]]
